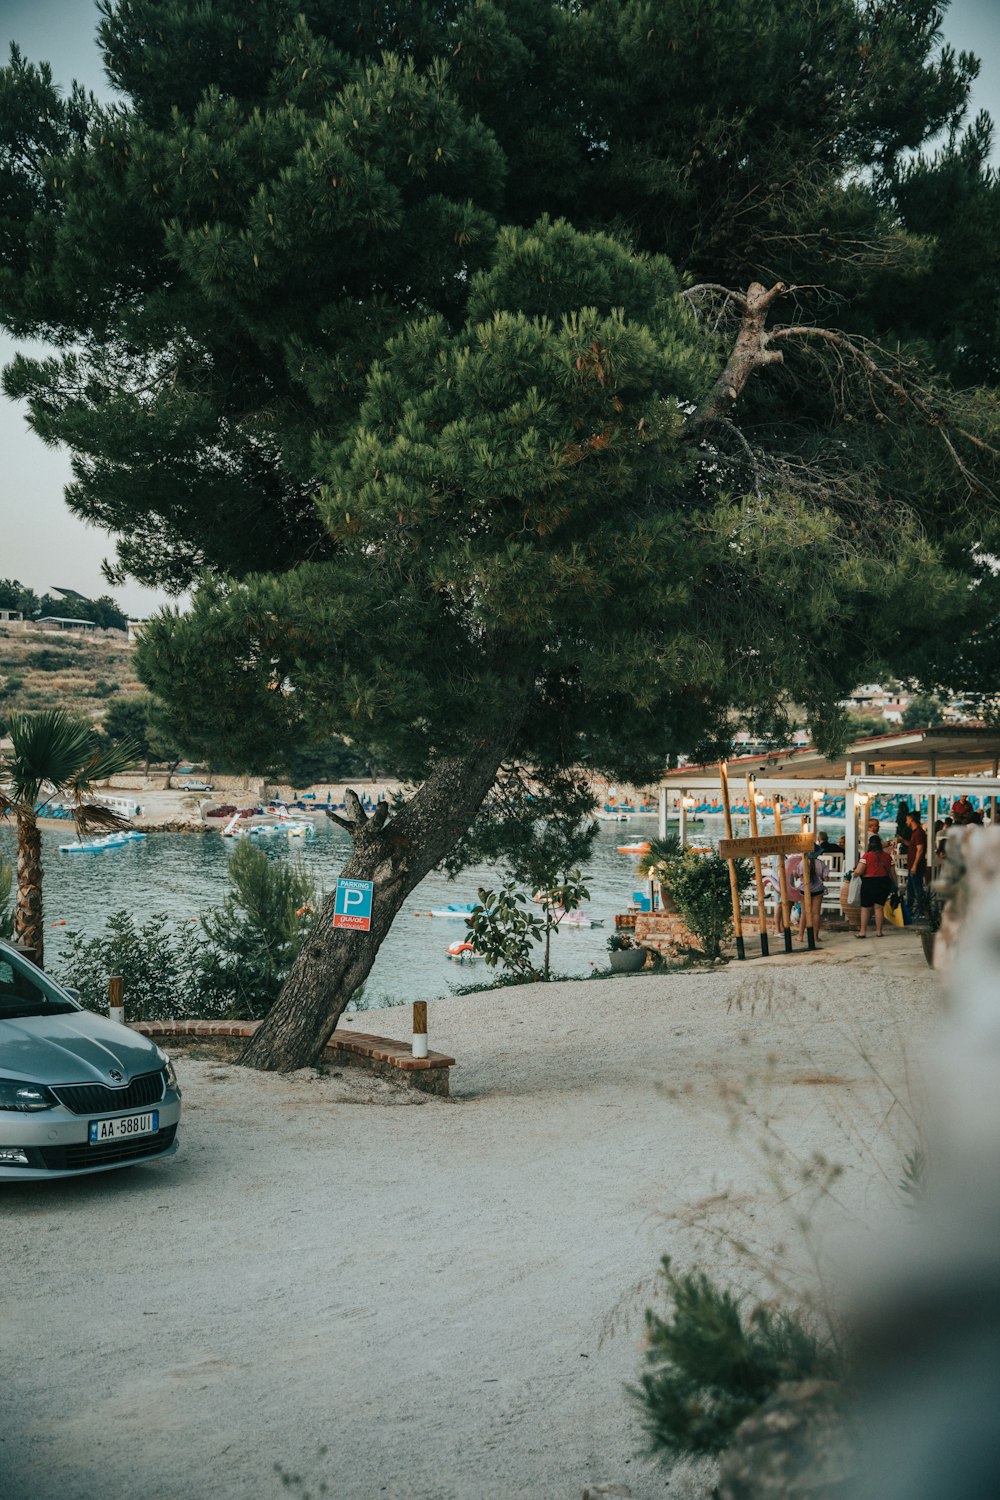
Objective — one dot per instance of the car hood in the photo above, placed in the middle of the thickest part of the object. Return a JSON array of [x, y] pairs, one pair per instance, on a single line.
[[77, 1047]]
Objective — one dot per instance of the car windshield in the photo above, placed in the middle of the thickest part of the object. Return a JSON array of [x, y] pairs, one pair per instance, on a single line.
[[25, 991]]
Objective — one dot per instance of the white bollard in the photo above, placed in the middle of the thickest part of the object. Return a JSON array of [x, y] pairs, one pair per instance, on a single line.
[[116, 1000], [420, 1028]]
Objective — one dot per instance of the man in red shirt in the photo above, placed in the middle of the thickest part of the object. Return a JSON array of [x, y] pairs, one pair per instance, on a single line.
[[916, 866], [962, 810]]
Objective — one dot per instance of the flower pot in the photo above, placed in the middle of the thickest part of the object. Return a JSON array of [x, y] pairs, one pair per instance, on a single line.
[[628, 960]]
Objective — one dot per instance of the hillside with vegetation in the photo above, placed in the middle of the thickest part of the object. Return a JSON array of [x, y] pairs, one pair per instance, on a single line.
[[80, 673]]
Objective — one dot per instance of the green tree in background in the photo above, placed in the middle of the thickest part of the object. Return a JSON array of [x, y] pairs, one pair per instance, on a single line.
[[923, 711], [139, 719], [14, 595], [64, 602], [519, 383]]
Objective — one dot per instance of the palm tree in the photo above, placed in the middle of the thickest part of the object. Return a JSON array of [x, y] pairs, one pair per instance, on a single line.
[[52, 754]]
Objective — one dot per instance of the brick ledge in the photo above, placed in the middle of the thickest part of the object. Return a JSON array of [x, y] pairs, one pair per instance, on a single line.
[[381, 1049]]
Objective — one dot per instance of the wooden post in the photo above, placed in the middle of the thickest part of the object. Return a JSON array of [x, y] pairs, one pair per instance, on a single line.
[[807, 909], [420, 1028], [758, 875], [786, 905], [734, 888], [116, 999]]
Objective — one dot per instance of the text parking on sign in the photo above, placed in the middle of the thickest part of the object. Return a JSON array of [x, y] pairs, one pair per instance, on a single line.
[[352, 905]]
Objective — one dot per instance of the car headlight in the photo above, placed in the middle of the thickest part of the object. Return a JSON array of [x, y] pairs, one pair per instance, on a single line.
[[171, 1073], [19, 1094]]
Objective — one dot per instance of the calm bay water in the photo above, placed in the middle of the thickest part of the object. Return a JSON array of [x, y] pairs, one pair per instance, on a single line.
[[182, 875]]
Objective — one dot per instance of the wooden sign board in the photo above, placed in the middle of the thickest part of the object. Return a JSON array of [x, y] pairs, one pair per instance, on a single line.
[[776, 843]]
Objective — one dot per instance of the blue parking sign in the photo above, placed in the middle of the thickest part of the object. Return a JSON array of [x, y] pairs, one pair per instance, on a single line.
[[352, 906]]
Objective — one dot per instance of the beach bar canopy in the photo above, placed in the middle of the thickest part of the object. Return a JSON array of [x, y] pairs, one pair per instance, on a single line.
[[932, 766]]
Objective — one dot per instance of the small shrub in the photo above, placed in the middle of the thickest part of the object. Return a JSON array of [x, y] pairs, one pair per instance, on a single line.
[[699, 884], [160, 966], [503, 930], [711, 1365], [254, 937], [54, 658]]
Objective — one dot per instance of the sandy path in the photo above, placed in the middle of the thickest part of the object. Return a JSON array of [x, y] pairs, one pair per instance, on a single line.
[[447, 1296]]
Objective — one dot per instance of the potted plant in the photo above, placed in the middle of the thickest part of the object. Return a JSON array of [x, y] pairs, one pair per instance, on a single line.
[[625, 955]]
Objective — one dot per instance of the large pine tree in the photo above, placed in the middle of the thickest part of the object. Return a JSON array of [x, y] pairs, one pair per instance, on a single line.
[[519, 382]]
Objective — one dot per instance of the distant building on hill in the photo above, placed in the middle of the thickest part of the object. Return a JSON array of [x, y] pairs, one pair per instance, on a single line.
[[135, 629], [11, 617], [64, 623]]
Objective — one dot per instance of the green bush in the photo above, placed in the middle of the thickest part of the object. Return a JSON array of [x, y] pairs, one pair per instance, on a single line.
[[160, 966], [504, 931], [254, 937], [710, 1365], [699, 884], [54, 658], [233, 967]]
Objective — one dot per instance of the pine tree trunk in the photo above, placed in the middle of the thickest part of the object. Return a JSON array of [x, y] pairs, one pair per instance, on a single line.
[[395, 853], [29, 929]]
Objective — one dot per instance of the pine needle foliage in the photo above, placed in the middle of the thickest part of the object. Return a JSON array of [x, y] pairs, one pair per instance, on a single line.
[[253, 937], [710, 1363]]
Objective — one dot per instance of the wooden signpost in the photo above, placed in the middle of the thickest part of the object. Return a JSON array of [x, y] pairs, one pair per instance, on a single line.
[[734, 888], [785, 843], [782, 844], [757, 872], [786, 905]]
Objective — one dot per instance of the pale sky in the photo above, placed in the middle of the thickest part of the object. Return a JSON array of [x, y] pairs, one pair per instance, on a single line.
[[42, 543]]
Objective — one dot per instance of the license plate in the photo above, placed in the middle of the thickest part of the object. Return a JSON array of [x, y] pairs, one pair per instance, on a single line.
[[123, 1127]]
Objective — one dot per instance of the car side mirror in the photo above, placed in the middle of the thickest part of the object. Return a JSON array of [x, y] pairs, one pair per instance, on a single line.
[[74, 994]]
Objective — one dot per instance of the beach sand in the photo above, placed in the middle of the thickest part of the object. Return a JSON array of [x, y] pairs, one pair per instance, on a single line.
[[448, 1297]]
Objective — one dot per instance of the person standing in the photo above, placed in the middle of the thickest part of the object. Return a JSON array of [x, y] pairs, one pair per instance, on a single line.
[[875, 869], [811, 908], [916, 866], [902, 822]]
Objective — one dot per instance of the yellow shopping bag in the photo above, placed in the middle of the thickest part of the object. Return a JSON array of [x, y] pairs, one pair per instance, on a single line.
[[894, 914]]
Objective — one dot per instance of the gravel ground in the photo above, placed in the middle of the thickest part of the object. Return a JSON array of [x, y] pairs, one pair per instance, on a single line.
[[431, 1299]]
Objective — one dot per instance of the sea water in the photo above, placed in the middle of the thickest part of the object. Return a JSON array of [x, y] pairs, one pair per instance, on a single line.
[[183, 874]]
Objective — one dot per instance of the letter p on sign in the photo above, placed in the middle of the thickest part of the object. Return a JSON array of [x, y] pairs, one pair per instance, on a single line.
[[353, 904]]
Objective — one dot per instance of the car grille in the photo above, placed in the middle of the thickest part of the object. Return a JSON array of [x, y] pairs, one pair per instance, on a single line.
[[75, 1158], [99, 1099]]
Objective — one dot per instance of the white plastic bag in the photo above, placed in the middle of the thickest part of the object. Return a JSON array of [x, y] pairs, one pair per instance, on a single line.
[[854, 891]]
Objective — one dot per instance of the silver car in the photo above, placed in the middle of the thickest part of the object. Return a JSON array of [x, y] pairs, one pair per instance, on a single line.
[[78, 1093]]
